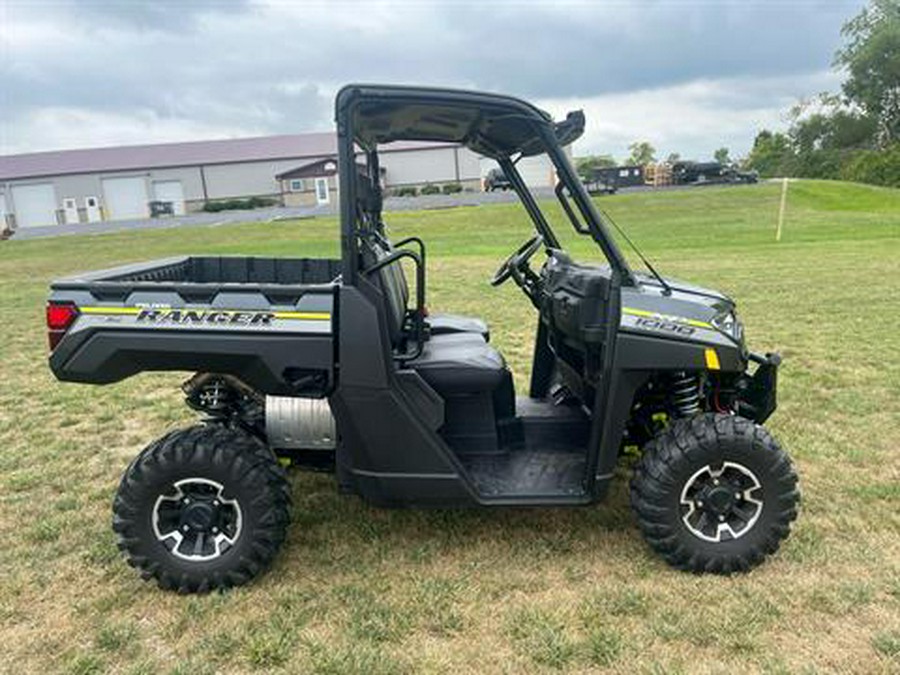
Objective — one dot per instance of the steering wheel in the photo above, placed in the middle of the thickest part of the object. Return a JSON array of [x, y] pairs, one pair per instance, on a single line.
[[512, 266]]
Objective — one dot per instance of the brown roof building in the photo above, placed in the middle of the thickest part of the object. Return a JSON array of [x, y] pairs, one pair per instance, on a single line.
[[121, 183]]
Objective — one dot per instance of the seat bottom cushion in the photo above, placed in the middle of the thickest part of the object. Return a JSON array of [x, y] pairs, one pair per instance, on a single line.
[[443, 324], [458, 363]]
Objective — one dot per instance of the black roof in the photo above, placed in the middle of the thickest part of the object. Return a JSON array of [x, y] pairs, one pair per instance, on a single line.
[[490, 124]]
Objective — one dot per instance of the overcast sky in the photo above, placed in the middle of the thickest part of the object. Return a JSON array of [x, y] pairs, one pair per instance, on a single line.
[[689, 76]]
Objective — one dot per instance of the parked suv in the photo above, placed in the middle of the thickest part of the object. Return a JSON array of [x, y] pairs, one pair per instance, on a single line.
[[496, 180]]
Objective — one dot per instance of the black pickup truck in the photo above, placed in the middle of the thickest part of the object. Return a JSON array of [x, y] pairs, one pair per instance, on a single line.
[[338, 365]]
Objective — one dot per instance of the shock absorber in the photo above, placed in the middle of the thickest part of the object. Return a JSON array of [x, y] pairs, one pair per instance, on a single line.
[[220, 395], [684, 394]]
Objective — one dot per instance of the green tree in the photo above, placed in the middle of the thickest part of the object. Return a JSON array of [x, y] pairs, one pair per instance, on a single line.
[[721, 156], [889, 119], [855, 135], [772, 154], [673, 157], [871, 57], [876, 167], [641, 153], [837, 128], [587, 166]]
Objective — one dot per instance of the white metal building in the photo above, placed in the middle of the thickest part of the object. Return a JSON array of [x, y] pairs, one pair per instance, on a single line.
[[121, 183]]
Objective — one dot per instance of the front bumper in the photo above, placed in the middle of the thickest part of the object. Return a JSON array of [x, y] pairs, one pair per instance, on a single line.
[[757, 393]]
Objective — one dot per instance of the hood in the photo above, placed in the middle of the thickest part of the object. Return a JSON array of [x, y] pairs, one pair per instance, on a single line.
[[687, 301]]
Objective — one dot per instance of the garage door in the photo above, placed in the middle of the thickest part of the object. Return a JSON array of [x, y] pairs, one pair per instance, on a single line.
[[125, 198], [35, 205], [170, 191], [537, 172]]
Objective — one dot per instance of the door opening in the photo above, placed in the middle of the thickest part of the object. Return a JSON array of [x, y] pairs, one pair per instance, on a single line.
[[92, 209], [70, 208], [322, 196]]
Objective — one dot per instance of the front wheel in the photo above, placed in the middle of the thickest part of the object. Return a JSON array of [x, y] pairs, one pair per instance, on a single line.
[[202, 508], [714, 493]]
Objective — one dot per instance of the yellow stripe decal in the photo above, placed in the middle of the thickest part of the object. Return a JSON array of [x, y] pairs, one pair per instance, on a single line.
[[643, 312], [130, 311], [109, 310], [308, 316], [712, 359]]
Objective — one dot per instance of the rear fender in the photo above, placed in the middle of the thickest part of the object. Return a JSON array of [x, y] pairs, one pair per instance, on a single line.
[[277, 364]]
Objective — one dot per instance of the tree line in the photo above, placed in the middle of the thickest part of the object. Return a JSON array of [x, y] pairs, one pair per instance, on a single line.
[[855, 134], [852, 135]]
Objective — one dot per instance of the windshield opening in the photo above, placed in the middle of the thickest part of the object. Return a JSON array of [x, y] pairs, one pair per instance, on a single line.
[[559, 212]]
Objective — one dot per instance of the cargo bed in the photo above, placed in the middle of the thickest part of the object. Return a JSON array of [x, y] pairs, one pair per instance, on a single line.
[[216, 270], [269, 321]]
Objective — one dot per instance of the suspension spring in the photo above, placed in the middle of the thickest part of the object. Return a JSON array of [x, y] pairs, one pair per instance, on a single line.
[[212, 394], [684, 393], [214, 397]]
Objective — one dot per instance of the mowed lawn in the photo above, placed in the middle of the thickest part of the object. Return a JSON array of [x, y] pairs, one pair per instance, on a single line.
[[362, 590]]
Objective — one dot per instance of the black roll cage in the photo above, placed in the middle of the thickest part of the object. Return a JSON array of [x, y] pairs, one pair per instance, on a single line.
[[545, 136]]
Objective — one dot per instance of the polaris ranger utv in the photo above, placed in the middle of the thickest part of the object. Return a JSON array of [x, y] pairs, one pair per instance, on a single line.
[[336, 364]]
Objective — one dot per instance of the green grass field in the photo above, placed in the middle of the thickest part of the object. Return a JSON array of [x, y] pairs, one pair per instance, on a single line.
[[362, 590]]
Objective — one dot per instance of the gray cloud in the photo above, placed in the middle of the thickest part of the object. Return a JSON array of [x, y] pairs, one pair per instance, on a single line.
[[144, 15], [248, 67]]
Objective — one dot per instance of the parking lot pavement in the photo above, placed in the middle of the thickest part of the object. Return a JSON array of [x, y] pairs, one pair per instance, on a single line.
[[419, 203], [190, 220], [202, 219], [426, 202]]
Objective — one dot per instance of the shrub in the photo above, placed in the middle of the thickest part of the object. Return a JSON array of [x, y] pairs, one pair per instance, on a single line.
[[238, 204], [406, 191], [261, 202], [875, 167], [451, 188], [429, 189]]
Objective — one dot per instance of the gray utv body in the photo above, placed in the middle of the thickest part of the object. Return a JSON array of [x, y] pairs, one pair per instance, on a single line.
[[409, 408]]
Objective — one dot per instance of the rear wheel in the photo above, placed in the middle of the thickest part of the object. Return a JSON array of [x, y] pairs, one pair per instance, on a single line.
[[714, 493], [202, 508]]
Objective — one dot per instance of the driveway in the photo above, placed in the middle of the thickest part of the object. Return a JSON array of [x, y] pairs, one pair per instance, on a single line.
[[420, 203], [193, 219]]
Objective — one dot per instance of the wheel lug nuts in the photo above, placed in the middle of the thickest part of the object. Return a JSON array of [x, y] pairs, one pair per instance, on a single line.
[[185, 528], [215, 502], [721, 517], [737, 495], [700, 503], [215, 529]]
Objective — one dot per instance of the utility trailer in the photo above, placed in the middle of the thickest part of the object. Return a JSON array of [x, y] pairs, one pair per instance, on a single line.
[[337, 365], [710, 173]]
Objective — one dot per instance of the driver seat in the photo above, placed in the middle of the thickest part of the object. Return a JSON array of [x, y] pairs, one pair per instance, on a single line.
[[391, 281], [462, 368]]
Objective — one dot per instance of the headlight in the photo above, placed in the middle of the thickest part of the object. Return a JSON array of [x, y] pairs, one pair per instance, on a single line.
[[729, 324]]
